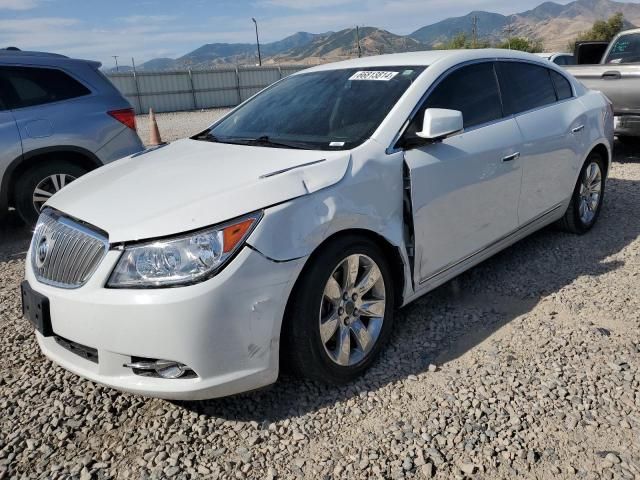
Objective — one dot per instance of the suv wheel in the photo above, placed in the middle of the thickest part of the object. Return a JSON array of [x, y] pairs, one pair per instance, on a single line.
[[38, 184]]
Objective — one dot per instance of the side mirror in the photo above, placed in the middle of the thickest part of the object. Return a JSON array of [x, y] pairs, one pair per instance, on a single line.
[[440, 123]]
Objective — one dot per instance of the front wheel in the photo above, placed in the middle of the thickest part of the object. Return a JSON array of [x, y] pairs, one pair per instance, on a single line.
[[341, 312], [586, 201], [38, 184]]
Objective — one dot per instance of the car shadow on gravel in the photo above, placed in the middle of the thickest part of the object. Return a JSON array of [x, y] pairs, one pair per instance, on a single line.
[[460, 315], [14, 238]]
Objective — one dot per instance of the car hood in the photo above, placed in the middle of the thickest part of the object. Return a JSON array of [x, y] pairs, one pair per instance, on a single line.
[[191, 184]]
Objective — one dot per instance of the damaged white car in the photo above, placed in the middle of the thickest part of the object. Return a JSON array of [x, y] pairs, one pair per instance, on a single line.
[[290, 230]]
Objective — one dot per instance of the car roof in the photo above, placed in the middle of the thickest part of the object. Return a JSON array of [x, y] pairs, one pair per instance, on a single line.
[[22, 57], [425, 58]]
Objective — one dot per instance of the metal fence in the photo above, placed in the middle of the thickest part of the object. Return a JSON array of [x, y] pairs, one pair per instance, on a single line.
[[196, 89]]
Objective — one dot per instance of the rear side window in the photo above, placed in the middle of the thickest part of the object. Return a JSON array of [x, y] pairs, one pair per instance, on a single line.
[[30, 86], [525, 86], [473, 90], [563, 87]]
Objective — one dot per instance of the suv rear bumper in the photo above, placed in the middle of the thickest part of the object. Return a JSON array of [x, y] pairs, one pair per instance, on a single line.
[[125, 143]]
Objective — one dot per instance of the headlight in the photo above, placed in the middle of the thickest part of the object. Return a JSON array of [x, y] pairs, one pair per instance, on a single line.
[[182, 259]]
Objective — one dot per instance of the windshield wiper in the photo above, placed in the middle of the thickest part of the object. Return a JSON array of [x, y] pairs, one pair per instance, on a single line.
[[208, 137], [265, 141]]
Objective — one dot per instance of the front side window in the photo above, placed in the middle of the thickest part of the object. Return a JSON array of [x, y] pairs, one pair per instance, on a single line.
[[472, 90], [334, 109], [525, 86], [30, 86], [626, 49]]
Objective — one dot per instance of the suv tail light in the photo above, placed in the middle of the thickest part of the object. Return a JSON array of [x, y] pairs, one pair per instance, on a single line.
[[126, 116]]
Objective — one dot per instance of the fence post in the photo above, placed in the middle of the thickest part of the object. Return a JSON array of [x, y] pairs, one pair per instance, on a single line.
[[193, 90], [135, 81], [279, 72], [238, 85]]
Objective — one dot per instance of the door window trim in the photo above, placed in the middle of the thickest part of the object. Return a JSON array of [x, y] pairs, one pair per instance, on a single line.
[[549, 70], [394, 148]]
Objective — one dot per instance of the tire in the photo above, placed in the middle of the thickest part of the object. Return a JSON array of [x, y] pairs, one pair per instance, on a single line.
[[304, 351], [574, 221], [49, 177]]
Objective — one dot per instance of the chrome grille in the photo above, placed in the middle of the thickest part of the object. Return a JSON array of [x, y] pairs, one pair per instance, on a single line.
[[65, 253]]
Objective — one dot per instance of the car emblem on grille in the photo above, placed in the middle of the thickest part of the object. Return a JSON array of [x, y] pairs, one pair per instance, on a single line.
[[42, 251]]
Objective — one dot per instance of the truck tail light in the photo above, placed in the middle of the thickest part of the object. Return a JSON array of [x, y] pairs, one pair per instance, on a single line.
[[126, 116]]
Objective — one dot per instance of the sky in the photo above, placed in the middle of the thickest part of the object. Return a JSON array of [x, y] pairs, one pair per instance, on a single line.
[[145, 29]]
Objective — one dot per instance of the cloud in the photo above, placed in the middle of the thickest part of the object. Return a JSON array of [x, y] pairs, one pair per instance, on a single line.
[[303, 5], [18, 4], [148, 19]]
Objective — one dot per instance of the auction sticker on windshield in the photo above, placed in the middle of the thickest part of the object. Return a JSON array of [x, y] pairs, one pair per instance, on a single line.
[[373, 75]]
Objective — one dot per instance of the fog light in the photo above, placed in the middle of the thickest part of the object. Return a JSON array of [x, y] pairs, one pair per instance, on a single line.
[[163, 368], [170, 369]]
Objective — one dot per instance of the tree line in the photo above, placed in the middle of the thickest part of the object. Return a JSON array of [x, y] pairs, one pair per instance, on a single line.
[[602, 30]]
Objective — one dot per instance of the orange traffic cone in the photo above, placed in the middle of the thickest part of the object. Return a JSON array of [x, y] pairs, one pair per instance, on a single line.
[[154, 133]]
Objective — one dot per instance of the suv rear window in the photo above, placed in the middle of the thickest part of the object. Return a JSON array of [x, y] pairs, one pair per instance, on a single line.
[[30, 86]]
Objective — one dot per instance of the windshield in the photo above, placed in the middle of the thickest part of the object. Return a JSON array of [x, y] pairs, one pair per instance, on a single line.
[[327, 110], [626, 49]]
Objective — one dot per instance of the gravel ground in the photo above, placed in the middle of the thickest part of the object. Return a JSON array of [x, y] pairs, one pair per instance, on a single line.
[[526, 366]]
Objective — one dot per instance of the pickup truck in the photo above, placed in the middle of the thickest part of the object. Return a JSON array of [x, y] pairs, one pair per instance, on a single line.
[[618, 77]]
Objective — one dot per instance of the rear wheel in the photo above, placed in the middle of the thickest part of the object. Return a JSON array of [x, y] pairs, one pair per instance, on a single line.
[[341, 313], [38, 184], [586, 202]]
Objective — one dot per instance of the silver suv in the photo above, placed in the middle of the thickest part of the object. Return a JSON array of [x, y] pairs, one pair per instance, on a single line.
[[59, 118]]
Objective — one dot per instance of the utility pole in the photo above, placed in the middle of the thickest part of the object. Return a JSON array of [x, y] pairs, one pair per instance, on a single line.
[[116, 59], [474, 31], [358, 41], [257, 41], [509, 30]]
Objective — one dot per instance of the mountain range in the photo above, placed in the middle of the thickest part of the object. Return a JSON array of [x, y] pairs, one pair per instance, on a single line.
[[552, 23]]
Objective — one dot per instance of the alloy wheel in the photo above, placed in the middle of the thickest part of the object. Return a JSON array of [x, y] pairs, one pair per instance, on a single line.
[[590, 190], [48, 186], [352, 310]]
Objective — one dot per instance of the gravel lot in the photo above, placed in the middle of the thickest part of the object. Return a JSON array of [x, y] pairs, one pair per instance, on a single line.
[[526, 366]]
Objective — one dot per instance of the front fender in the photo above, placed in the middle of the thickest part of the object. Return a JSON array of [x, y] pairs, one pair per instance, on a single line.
[[369, 197]]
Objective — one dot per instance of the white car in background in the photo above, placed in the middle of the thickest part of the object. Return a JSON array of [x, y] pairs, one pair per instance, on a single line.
[[293, 227], [558, 58]]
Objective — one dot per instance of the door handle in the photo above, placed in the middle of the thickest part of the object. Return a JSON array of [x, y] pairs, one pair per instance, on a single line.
[[612, 75], [511, 157], [578, 129]]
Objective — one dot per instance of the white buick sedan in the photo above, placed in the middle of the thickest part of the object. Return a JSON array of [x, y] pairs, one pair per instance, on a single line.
[[290, 230]]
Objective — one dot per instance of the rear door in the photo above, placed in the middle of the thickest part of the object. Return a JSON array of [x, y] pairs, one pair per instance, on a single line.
[[10, 144], [48, 102], [552, 123], [464, 189]]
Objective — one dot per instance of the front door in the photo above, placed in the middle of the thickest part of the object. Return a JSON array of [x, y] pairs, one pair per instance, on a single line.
[[464, 189]]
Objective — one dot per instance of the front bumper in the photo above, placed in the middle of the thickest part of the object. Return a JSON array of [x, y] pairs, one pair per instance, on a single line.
[[627, 125], [227, 329]]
